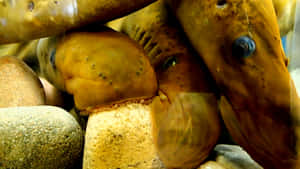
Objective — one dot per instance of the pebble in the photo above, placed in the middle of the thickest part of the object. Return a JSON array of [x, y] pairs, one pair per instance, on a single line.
[[120, 138], [54, 97], [39, 137], [19, 85]]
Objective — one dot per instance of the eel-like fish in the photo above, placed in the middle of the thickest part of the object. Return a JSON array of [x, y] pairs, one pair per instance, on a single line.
[[185, 116], [22, 20], [239, 42], [97, 67]]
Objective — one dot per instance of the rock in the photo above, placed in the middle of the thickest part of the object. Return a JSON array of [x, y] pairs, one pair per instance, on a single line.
[[234, 157], [54, 96], [211, 165], [38, 137], [120, 138], [19, 85]]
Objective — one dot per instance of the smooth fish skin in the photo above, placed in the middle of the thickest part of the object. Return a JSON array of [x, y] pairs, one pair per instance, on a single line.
[[185, 115], [239, 42], [97, 67], [22, 20]]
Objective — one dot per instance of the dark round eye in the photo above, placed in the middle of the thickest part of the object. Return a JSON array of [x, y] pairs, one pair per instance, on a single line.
[[171, 61], [243, 47], [52, 58]]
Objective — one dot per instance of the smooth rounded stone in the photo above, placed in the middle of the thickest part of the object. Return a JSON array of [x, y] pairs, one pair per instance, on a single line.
[[120, 138], [234, 157], [211, 165], [39, 137], [19, 85]]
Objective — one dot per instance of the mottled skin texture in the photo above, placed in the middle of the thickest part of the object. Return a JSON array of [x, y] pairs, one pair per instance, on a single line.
[[31, 19], [259, 104], [184, 115], [98, 68]]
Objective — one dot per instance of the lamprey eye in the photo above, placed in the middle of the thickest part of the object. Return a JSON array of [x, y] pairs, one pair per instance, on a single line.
[[243, 47], [171, 61], [52, 58]]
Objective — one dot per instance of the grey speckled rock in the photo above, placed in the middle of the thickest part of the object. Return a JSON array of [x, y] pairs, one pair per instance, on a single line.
[[234, 157], [38, 137]]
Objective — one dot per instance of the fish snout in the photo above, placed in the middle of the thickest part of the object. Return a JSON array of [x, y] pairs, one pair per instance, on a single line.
[[186, 128]]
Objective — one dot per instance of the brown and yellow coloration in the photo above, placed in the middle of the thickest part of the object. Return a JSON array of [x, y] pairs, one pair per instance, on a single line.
[[113, 81], [31, 19], [258, 94], [184, 116], [98, 68]]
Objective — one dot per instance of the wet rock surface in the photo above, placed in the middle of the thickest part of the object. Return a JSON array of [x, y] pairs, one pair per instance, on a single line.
[[19, 85], [54, 96], [39, 137], [120, 138]]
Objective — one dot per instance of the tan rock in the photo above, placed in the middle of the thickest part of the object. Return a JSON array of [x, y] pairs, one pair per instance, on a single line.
[[211, 165], [120, 138], [19, 85], [38, 137]]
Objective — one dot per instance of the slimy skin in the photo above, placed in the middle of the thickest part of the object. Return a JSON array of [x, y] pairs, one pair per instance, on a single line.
[[175, 62], [24, 20], [259, 105], [98, 68], [184, 116]]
